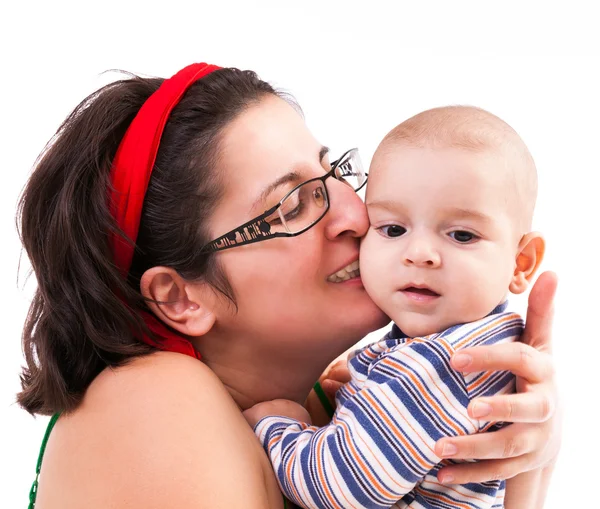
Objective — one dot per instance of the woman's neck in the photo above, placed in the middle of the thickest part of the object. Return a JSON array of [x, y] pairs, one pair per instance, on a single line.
[[253, 375]]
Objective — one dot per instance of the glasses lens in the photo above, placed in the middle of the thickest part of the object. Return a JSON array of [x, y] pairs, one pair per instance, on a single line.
[[300, 209], [350, 170]]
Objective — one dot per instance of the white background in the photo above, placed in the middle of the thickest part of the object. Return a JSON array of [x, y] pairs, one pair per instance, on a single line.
[[357, 71]]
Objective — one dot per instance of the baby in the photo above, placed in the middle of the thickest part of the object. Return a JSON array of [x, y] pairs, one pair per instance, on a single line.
[[450, 199]]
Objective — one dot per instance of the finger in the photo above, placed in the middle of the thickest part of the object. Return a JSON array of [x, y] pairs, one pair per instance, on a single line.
[[339, 374], [522, 407], [330, 387], [520, 359], [339, 363], [333, 367], [509, 442], [482, 471], [540, 312]]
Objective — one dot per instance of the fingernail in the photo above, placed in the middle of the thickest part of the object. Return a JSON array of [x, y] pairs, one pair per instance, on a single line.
[[447, 478], [481, 409], [461, 360], [449, 450]]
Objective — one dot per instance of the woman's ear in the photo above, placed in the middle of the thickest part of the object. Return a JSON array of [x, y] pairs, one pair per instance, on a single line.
[[529, 257], [186, 307]]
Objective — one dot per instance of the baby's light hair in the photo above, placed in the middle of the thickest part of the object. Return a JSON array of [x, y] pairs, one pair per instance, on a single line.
[[473, 129]]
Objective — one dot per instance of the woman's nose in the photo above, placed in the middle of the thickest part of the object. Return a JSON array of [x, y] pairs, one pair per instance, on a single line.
[[347, 214]]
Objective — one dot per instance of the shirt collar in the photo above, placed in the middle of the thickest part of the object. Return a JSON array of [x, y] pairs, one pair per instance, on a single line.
[[396, 333]]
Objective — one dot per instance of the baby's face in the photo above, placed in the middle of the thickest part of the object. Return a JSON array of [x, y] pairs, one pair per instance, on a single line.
[[442, 243]]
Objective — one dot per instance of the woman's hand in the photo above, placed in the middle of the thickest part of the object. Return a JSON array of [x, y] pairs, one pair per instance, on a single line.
[[533, 440], [336, 375], [331, 380]]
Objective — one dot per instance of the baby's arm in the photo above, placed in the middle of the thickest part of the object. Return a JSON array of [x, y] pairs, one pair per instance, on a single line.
[[380, 443]]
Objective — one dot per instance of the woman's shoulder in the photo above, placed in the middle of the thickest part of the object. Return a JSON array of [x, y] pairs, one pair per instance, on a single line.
[[162, 373], [160, 430], [167, 391], [154, 384]]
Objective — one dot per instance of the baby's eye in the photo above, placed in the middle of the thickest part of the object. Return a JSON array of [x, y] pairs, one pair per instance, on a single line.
[[392, 230], [464, 237]]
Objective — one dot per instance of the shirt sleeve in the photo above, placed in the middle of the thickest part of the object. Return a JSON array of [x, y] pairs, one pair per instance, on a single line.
[[380, 443]]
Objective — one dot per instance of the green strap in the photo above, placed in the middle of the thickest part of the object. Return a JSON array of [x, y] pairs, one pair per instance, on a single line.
[[323, 399], [34, 486]]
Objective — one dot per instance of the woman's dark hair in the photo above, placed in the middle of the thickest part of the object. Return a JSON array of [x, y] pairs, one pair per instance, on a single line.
[[77, 324]]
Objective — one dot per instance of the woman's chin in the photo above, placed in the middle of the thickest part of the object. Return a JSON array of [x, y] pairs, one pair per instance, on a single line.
[[370, 318]]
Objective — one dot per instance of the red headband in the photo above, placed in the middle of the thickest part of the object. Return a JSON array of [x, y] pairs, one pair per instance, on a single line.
[[130, 175]]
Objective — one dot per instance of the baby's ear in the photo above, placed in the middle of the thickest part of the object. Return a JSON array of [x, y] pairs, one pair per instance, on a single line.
[[529, 257]]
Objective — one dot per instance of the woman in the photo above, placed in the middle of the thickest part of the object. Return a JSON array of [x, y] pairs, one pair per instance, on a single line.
[[143, 428]]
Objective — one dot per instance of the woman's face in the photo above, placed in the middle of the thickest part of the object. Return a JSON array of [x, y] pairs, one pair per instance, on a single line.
[[283, 286]]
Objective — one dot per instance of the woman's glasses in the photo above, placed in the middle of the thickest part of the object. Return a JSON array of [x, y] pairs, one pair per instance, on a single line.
[[299, 210]]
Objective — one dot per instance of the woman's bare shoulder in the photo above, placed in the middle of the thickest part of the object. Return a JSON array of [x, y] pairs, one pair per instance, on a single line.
[[163, 431], [172, 392], [162, 374]]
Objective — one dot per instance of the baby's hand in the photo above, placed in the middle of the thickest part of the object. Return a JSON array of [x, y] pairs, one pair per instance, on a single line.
[[283, 407]]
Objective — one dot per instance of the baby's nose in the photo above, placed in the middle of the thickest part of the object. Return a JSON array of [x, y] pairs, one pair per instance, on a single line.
[[422, 254]]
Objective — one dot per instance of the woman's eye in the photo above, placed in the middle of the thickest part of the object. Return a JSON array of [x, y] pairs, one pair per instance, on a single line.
[[273, 220], [318, 197], [463, 236], [288, 210], [392, 230], [291, 214]]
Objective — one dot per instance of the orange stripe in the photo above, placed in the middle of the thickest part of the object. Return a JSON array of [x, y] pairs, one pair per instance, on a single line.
[[400, 436], [404, 488], [332, 467], [443, 498], [322, 478], [288, 473], [495, 323], [432, 403], [481, 379], [288, 466], [366, 469], [460, 410], [424, 440], [307, 497], [370, 353], [474, 496]]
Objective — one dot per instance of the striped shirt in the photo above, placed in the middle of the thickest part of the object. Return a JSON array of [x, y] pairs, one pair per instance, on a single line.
[[378, 450]]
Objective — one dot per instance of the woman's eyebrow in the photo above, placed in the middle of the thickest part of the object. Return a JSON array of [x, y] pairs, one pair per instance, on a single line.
[[293, 176]]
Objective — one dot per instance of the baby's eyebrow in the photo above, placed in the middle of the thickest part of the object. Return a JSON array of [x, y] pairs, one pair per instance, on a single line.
[[383, 204], [460, 213], [454, 212]]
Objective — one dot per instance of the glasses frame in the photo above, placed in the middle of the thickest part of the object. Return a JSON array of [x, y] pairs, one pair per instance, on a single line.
[[258, 229]]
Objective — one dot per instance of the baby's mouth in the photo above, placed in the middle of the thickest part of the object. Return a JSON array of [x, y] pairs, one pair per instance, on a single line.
[[421, 291]]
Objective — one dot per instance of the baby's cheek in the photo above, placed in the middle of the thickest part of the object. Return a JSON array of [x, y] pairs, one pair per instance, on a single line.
[[373, 269], [368, 258], [477, 296]]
